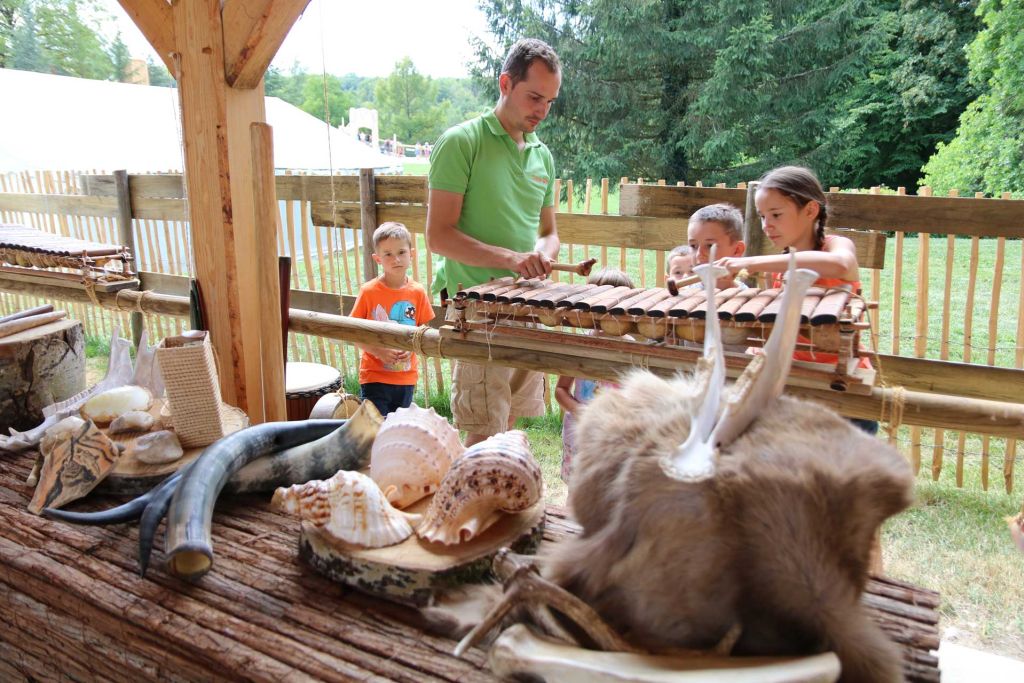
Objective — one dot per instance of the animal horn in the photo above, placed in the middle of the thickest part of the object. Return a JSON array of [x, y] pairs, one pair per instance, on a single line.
[[765, 376], [694, 459]]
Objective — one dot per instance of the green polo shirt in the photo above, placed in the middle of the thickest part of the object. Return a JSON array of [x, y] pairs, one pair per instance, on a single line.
[[504, 189]]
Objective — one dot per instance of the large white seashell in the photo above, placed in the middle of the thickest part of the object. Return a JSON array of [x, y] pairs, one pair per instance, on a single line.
[[497, 475], [412, 453], [113, 403], [350, 507]]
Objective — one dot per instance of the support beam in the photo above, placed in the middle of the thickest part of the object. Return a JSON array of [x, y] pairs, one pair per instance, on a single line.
[[253, 33], [153, 17], [218, 163]]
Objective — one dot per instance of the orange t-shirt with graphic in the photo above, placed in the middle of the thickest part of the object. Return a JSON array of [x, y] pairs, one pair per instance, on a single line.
[[407, 305]]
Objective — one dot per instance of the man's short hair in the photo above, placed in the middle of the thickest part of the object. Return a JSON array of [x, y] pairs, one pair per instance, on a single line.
[[391, 231], [524, 53], [726, 214]]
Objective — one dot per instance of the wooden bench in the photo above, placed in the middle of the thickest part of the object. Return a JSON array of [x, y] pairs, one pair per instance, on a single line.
[[73, 606]]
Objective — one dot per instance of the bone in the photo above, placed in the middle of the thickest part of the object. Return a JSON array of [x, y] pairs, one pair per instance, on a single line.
[[517, 652]]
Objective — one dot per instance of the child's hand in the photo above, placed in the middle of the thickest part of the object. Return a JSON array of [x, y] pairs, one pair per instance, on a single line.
[[734, 264], [389, 356]]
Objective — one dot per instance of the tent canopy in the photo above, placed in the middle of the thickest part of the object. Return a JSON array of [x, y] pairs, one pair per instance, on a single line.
[[52, 122]]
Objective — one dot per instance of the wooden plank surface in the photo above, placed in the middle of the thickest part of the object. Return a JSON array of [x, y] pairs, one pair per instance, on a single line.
[[73, 604]]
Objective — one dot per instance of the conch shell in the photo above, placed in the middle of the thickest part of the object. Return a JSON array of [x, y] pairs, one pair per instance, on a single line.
[[349, 507], [412, 453], [494, 476]]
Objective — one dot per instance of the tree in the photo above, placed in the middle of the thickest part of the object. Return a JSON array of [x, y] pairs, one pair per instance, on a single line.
[[910, 100], [723, 90], [26, 53], [289, 87], [120, 59], [407, 102], [465, 99], [70, 45], [159, 75], [9, 17], [338, 100], [987, 153]]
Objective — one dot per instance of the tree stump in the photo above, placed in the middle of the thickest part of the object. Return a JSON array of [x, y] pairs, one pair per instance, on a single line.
[[39, 366], [414, 571]]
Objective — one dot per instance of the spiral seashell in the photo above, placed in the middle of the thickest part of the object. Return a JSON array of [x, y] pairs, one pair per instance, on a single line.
[[349, 507], [497, 475], [412, 453]]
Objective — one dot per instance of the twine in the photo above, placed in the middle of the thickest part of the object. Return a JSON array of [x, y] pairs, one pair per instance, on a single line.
[[417, 339], [136, 306]]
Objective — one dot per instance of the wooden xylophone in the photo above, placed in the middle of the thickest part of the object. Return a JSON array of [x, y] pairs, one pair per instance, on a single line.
[[831, 319], [32, 252]]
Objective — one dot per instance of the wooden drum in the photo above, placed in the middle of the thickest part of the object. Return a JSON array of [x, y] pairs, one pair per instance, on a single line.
[[304, 384]]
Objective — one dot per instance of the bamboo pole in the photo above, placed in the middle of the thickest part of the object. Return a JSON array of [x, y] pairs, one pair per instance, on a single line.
[[307, 258], [876, 286], [127, 237], [920, 324], [939, 442], [1011, 444], [569, 208], [897, 295], [604, 212], [972, 279], [622, 250], [586, 209], [367, 220], [993, 334], [267, 403], [920, 408]]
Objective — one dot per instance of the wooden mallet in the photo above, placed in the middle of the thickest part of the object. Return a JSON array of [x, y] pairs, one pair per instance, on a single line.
[[675, 285], [582, 268]]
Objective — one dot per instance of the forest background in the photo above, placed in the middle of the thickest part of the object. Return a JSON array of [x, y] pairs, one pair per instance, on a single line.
[[867, 92]]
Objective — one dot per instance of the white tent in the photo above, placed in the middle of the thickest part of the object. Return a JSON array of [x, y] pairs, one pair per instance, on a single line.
[[60, 123]]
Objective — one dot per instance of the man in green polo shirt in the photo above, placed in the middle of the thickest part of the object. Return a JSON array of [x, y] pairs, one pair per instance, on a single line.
[[492, 214]]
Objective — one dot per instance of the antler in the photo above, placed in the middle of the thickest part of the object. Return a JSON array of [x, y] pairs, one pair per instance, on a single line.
[[765, 377], [762, 380], [694, 459]]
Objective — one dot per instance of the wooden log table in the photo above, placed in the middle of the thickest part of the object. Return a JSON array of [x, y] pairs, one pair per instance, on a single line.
[[73, 606]]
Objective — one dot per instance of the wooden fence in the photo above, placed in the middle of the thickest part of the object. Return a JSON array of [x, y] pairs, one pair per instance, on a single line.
[[935, 263]]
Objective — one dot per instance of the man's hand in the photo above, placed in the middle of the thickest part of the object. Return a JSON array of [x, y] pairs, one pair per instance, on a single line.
[[531, 264]]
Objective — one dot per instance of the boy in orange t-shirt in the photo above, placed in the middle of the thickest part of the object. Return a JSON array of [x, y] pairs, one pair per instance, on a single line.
[[387, 377]]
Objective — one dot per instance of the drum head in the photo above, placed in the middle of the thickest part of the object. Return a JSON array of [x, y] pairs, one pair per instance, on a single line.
[[309, 377]]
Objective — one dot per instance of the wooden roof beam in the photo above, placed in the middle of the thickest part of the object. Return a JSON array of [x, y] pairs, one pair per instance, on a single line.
[[253, 33], [153, 17]]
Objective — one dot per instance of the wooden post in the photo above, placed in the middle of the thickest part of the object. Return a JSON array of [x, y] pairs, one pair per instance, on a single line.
[[268, 274], [368, 220], [126, 237], [219, 52], [753, 235]]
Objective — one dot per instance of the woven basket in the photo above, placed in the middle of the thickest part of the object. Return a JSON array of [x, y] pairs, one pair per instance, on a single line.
[[193, 390]]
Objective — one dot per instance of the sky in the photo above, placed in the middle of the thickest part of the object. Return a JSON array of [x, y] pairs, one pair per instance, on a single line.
[[364, 38]]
